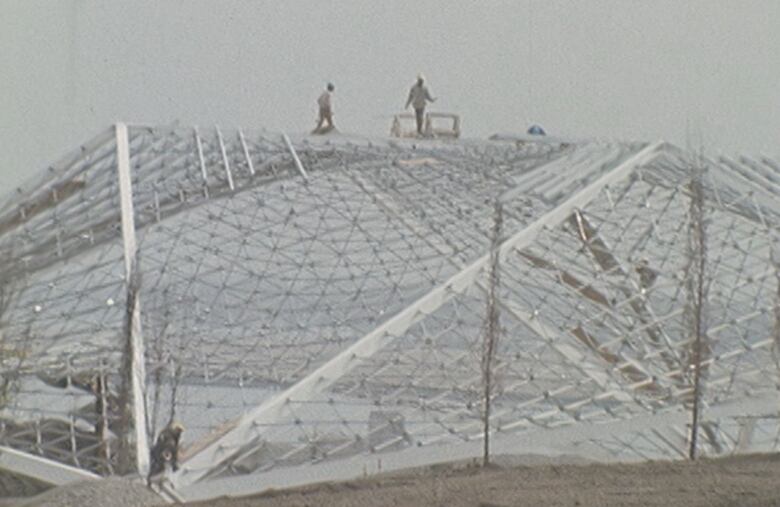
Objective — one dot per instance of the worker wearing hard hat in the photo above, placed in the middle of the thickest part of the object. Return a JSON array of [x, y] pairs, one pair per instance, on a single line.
[[419, 96]]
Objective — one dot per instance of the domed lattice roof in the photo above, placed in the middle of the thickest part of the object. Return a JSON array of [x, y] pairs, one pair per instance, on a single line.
[[312, 307]]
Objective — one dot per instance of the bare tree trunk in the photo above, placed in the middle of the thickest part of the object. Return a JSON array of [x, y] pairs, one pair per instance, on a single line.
[[696, 299], [492, 330], [774, 259], [176, 374]]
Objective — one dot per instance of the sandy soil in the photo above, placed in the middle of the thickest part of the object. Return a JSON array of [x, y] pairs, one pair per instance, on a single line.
[[748, 481]]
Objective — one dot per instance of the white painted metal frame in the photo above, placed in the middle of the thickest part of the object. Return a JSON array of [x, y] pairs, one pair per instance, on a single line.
[[41, 469], [277, 409], [202, 162], [579, 361], [247, 429], [138, 361], [548, 441], [246, 152], [298, 164], [225, 160]]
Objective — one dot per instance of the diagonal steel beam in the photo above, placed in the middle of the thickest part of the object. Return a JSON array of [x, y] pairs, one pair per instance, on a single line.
[[41, 469], [610, 264], [291, 149], [225, 162], [248, 429], [631, 371]]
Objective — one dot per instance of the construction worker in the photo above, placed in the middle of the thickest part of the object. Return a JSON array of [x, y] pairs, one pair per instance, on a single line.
[[326, 113], [165, 452], [418, 97]]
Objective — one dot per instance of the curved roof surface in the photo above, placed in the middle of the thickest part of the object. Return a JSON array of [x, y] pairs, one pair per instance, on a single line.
[[326, 299]]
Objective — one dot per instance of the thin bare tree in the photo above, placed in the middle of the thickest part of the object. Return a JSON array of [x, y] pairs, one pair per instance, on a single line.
[[492, 329], [774, 259], [696, 296]]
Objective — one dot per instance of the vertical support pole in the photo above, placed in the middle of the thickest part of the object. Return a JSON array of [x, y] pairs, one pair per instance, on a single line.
[[294, 154], [74, 448], [137, 355], [225, 159], [101, 413], [246, 152], [202, 162]]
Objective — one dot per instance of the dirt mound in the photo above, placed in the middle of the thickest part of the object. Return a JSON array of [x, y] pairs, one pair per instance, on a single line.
[[737, 481], [13, 487], [114, 492]]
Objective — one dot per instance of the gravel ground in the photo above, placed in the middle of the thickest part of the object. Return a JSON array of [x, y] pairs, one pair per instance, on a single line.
[[12, 485], [112, 492]]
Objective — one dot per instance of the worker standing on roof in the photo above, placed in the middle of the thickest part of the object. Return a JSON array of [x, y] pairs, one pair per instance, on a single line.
[[418, 97], [326, 113]]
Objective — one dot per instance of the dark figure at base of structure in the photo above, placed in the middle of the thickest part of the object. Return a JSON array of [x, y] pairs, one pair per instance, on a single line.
[[165, 450]]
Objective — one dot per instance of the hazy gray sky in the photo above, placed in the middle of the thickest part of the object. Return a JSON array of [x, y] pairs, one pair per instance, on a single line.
[[598, 68]]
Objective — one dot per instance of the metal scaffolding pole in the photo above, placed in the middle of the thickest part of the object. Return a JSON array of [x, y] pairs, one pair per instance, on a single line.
[[137, 354]]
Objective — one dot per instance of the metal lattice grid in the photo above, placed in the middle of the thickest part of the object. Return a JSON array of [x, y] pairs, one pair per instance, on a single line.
[[308, 307]]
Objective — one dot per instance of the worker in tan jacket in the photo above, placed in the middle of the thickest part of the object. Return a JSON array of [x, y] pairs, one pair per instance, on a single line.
[[419, 96], [326, 112]]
